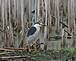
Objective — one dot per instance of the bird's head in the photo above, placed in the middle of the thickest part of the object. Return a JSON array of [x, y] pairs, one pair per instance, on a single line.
[[37, 24]]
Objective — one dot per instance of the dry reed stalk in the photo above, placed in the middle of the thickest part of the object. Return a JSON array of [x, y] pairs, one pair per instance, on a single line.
[[49, 19], [10, 25], [46, 21], [29, 10], [6, 24], [73, 22], [22, 24], [2, 7]]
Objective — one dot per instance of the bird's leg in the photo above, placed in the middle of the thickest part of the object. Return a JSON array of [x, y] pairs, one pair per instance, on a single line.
[[38, 44], [28, 48], [34, 45]]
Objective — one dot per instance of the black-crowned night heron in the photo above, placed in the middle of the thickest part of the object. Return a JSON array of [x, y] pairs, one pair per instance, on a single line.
[[33, 33]]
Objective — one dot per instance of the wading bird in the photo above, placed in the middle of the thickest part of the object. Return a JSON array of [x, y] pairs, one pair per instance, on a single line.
[[33, 33]]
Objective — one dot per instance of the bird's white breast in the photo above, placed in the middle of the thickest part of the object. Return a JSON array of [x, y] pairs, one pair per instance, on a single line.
[[35, 36]]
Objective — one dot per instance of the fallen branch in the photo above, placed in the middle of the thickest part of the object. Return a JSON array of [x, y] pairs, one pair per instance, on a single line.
[[12, 49], [15, 57]]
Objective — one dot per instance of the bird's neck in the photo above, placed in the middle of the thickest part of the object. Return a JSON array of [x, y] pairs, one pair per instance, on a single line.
[[38, 28]]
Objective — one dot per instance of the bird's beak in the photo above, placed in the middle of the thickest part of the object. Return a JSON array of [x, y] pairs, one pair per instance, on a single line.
[[43, 24]]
